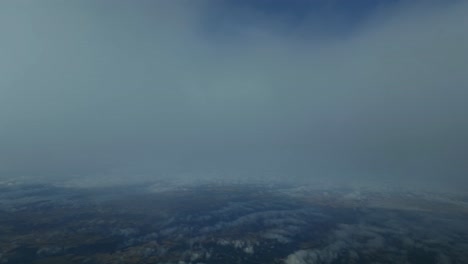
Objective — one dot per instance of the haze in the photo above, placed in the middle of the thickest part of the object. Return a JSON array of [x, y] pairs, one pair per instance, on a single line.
[[372, 92]]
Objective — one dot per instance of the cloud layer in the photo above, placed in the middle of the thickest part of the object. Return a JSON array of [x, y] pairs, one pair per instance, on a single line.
[[183, 89]]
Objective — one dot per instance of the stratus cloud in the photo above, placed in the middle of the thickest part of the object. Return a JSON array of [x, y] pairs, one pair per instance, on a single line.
[[148, 89]]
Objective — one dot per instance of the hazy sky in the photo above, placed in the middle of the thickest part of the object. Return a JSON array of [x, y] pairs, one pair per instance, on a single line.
[[295, 90]]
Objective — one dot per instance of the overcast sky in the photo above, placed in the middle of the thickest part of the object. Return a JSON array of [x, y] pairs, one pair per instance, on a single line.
[[346, 91]]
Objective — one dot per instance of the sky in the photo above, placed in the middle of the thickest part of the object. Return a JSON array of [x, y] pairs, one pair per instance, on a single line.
[[262, 90]]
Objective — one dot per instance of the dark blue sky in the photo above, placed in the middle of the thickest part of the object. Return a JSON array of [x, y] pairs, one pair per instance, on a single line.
[[340, 16], [301, 8]]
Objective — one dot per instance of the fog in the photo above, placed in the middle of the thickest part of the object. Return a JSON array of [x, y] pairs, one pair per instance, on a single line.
[[129, 91]]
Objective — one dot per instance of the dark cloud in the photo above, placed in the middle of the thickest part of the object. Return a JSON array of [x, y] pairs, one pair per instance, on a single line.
[[156, 90]]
